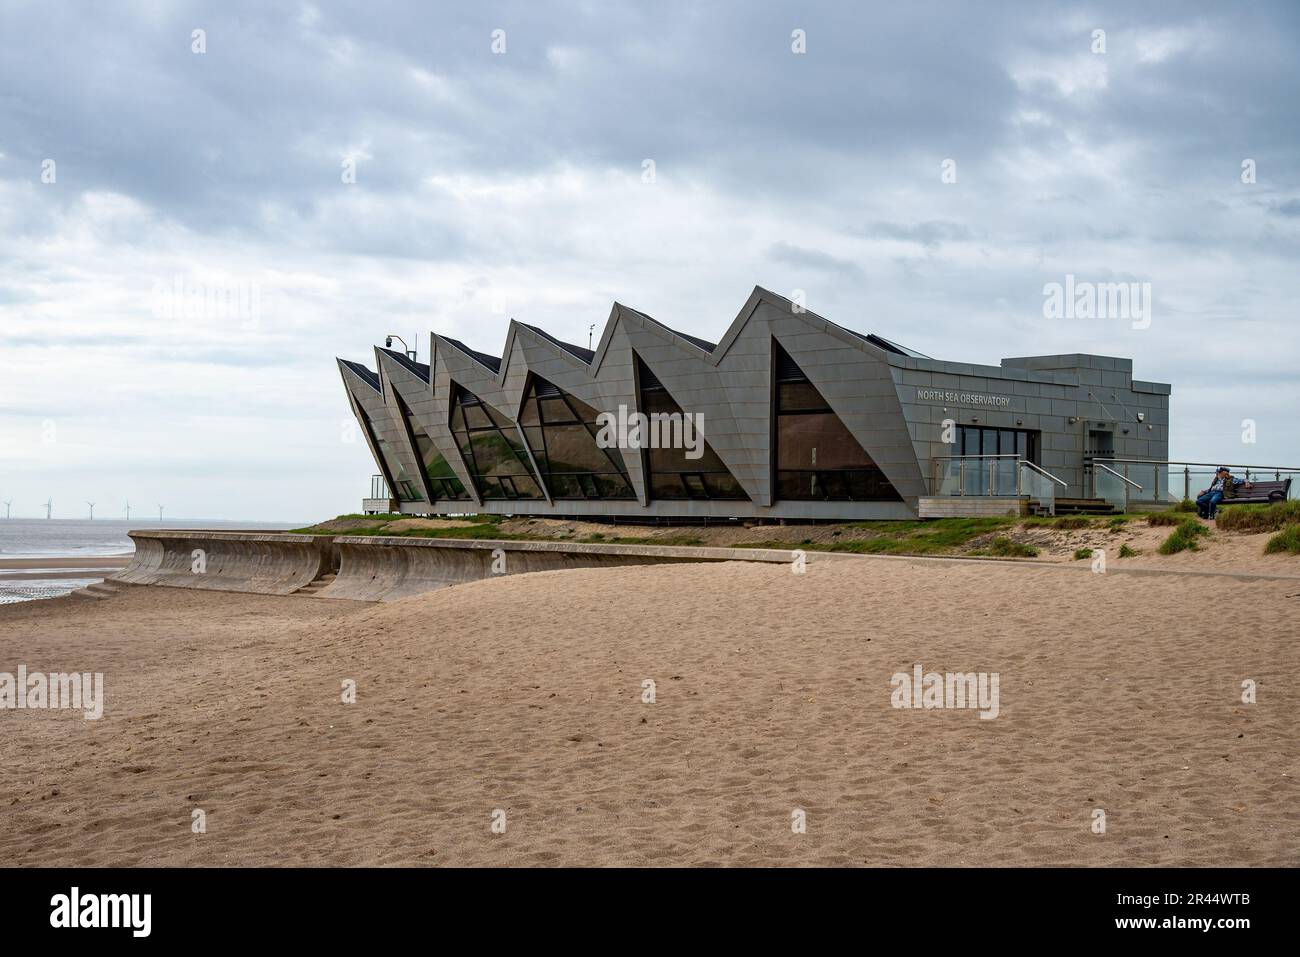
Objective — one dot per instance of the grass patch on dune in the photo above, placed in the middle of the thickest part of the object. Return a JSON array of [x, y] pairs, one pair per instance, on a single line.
[[602, 539], [1287, 540], [478, 526], [1126, 552], [1072, 522], [935, 537], [1184, 537], [1259, 518], [1165, 518], [1080, 553], [945, 536], [1003, 547], [374, 517]]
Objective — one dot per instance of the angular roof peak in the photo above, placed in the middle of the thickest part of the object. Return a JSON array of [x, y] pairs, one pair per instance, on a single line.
[[696, 341], [586, 355], [368, 376], [482, 358], [406, 362]]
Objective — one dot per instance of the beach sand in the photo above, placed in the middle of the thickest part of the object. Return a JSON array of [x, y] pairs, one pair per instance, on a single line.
[[524, 694]]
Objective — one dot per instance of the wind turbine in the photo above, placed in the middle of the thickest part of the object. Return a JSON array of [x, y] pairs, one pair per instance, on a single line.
[[128, 511], [49, 507], [8, 502], [92, 509], [160, 514]]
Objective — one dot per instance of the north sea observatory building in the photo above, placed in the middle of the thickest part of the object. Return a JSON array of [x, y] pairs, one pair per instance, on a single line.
[[789, 416]]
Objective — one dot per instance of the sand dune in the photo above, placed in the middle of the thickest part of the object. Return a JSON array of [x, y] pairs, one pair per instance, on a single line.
[[772, 694]]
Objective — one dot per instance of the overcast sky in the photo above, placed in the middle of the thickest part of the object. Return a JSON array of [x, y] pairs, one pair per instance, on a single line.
[[498, 184]]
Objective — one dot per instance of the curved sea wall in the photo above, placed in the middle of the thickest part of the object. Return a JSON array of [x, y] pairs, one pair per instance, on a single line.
[[378, 568], [263, 563]]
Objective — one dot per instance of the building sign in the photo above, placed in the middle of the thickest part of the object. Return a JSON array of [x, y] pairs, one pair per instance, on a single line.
[[963, 398]]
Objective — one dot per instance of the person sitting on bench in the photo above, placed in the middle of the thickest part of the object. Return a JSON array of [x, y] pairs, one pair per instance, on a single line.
[[1223, 486]]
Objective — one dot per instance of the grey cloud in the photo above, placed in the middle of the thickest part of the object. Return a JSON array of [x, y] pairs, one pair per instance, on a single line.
[[929, 234], [804, 258]]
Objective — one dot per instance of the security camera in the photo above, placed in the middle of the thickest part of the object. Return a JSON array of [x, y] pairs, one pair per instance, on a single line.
[[388, 342], [1142, 416]]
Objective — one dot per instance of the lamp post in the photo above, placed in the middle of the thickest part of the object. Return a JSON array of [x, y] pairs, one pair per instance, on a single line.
[[410, 353]]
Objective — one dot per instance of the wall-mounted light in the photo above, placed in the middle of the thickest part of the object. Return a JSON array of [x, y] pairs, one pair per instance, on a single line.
[[1073, 420], [1142, 416]]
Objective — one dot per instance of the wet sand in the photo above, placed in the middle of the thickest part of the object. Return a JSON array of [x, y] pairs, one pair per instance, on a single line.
[[42, 569]]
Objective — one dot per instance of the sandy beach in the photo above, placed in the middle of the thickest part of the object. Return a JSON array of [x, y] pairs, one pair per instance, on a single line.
[[772, 696]]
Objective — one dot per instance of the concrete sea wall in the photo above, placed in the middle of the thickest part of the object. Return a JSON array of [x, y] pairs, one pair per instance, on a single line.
[[263, 563], [378, 568]]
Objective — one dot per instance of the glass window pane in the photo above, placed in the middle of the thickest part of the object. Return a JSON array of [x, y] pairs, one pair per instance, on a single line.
[[476, 417], [554, 411], [818, 457], [799, 396], [496, 458], [666, 485], [667, 454]]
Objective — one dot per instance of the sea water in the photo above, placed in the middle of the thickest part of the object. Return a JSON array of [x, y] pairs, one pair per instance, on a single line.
[[37, 538]]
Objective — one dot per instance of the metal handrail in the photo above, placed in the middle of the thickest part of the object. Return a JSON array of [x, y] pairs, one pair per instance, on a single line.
[[1123, 478], [1258, 468], [1043, 471], [1186, 470], [1016, 460]]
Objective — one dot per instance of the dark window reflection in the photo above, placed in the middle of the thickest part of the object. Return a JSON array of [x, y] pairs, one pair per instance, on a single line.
[[561, 432], [817, 457], [671, 474], [488, 442], [442, 481]]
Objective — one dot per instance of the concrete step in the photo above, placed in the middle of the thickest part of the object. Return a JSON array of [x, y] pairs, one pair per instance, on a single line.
[[102, 589], [317, 585], [1084, 506]]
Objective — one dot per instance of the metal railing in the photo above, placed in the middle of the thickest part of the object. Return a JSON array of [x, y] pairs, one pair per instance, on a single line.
[[1112, 486], [378, 487], [995, 475], [1151, 483]]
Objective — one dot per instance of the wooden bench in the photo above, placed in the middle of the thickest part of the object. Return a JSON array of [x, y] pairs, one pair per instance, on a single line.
[[1259, 493]]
